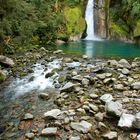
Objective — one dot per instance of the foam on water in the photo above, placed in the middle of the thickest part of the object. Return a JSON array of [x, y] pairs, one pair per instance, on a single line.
[[39, 82]]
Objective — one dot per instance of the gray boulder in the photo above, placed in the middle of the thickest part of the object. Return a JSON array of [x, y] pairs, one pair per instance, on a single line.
[[101, 76], [28, 116], [49, 131], [73, 65], [125, 71], [85, 81], [102, 127], [124, 63], [85, 57], [68, 86], [114, 108], [44, 96], [99, 116], [30, 135], [126, 121], [119, 87], [136, 85], [113, 62], [77, 78], [106, 98], [111, 135], [82, 126], [6, 61], [52, 114], [93, 107], [109, 80], [93, 95], [75, 138]]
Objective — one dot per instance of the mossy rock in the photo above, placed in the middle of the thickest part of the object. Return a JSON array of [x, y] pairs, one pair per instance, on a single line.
[[137, 29], [75, 23], [117, 31], [49, 74], [61, 78], [2, 76]]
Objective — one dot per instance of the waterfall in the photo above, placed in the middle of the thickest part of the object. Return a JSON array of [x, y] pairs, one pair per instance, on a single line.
[[89, 17]]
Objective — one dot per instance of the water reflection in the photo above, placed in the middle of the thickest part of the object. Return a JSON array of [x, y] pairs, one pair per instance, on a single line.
[[102, 49], [89, 49]]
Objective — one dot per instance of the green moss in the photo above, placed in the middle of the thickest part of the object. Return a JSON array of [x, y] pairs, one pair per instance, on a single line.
[[137, 29], [75, 23], [117, 30], [62, 78], [2, 77]]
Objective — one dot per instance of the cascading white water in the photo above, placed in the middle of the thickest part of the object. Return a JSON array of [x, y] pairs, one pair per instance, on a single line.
[[89, 17]]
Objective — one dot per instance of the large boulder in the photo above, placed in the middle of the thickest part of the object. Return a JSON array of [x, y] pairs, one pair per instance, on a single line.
[[67, 87], [2, 76], [28, 116], [50, 131], [124, 63], [52, 114], [6, 61], [83, 126], [75, 138], [136, 85], [114, 108], [106, 98], [111, 135], [126, 121]]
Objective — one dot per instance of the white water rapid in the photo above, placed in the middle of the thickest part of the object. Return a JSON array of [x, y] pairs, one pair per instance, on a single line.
[[36, 81], [39, 83], [89, 17]]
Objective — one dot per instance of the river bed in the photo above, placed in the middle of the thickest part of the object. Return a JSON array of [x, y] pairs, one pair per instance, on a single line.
[[50, 74]]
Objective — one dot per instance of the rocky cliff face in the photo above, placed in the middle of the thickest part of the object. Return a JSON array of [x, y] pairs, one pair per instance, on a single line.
[[100, 18], [118, 20]]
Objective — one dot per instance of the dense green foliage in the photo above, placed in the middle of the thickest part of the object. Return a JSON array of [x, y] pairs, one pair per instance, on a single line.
[[25, 22], [75, 23], [33, 23], [124, 15]]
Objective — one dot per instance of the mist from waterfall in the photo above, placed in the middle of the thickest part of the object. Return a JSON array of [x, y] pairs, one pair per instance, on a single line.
[[89, 17]]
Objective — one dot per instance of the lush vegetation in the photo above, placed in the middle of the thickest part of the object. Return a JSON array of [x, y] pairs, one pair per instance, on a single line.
[[32, 22], [124, 16]]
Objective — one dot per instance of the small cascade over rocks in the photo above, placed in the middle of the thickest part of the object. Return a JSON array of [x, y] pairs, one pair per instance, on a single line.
[[89, 17], [36, 81]]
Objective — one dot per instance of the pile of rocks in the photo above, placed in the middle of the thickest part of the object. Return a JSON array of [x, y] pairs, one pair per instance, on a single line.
[[96, 99]]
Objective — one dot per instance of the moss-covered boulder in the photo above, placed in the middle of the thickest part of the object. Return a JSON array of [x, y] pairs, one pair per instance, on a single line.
[[137, 29], [2, 77], [75, 23]]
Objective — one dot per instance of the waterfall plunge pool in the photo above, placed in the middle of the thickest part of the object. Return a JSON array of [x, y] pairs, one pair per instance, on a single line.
[[102, 49]]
